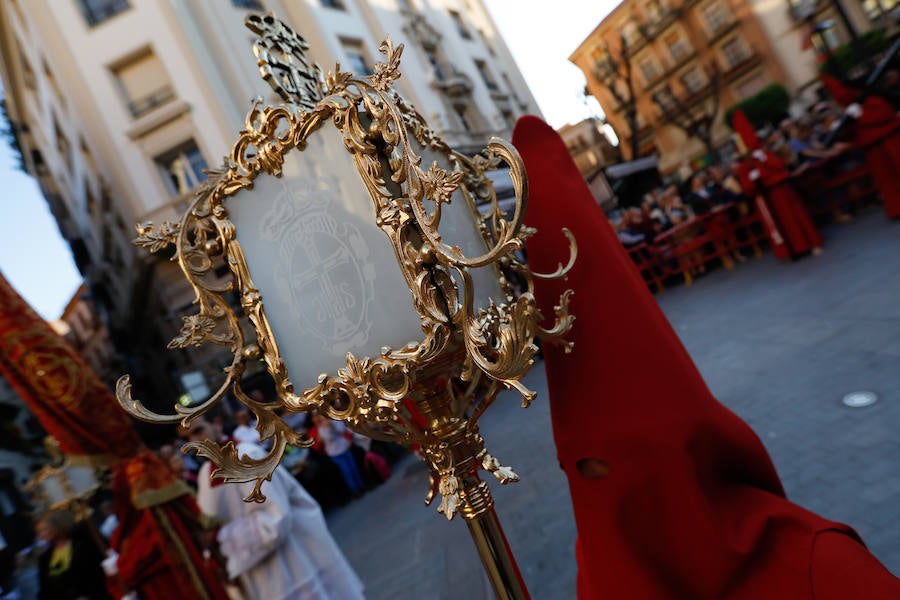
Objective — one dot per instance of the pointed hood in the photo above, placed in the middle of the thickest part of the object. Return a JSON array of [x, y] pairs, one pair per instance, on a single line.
[[745, 131], [674, 496]]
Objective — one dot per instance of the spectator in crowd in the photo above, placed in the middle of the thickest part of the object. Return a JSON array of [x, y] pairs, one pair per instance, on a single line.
[[245, 432], [673, 207], [629, 228], [805, 148], [334, 439], [69, 568], [699, 198]]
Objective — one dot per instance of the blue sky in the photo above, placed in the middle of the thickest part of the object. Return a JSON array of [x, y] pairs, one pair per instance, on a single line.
[[33, 256], [37, 262]]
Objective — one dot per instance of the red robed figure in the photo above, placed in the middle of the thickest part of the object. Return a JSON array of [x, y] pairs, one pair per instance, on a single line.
[[674, 495], [788, 212], [155, 512], [876, 131]]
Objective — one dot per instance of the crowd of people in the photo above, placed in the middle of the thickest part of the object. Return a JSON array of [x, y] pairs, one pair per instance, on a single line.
[[669, 206], [277, 549], [772, 173], [340, 465]]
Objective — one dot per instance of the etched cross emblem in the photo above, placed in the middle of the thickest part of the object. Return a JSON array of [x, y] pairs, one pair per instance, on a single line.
[[334, 303], [325, 274]]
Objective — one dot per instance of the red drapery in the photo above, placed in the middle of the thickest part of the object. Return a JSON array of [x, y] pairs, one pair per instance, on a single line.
[[158, 517], [674, 495], [59, 387]]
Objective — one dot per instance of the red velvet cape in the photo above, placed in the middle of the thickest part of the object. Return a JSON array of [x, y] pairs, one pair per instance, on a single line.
[[691, 506]]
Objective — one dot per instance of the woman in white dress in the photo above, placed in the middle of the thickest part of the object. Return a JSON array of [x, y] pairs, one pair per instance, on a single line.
[[280, 549]]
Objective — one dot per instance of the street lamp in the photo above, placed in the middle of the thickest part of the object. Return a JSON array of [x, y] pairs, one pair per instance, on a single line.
[[340, 327]]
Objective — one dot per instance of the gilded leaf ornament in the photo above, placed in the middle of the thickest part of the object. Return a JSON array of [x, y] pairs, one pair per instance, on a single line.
[[195, 330], [155, 238]]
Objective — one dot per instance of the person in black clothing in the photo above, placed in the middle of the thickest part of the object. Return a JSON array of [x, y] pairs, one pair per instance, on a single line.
[[699, 197], [69, 569]]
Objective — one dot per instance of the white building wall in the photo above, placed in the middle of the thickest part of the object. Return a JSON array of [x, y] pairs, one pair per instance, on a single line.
[[206, 53]]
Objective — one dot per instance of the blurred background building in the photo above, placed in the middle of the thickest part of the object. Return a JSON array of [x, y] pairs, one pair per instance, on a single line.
[[118, 106], [589, 146], [82, 326], [664, 71]]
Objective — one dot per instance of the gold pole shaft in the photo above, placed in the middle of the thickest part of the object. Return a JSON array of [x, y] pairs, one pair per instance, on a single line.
[[497, 558]]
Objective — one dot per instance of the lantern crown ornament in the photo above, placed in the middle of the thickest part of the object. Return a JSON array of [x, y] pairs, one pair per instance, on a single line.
[[320, 201]]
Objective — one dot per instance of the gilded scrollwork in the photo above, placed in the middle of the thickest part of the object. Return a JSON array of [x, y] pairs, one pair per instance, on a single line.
[[385, 396]]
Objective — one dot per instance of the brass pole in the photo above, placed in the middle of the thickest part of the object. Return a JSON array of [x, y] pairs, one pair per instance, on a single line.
[[496, 556], [461, 456]]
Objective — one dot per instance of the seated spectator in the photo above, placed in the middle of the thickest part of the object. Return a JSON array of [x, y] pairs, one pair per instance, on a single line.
[[629, 228], [723, 186], [779, 146], [675, 210]]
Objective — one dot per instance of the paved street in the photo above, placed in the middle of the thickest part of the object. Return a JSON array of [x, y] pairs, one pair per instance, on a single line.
[[778, 343]]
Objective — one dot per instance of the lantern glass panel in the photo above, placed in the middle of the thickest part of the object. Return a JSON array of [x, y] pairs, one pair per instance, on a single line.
[[328, 276], [458, 227]]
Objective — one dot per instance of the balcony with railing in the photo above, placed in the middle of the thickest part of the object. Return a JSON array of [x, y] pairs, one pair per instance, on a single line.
[[154, 99], [453, 84]]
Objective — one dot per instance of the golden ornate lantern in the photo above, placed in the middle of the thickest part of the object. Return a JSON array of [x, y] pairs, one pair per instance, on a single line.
[[339, 327]]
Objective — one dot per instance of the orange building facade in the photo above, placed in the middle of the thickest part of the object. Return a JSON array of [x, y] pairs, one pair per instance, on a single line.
[[688, 53]]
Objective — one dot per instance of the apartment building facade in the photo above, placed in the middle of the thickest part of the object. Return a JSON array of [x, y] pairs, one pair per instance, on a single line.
[[82, 326], [589, 146], [691, 59], [119, 106]]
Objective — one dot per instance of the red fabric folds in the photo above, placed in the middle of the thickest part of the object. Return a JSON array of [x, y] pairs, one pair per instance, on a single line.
[[58, 386], [158, 519], [159, 539], [690, 505], [787, 207], [745, 130]]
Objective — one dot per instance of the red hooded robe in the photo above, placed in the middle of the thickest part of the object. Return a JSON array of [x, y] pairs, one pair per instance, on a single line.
[[796, 226], [683, 501], [877, 132]]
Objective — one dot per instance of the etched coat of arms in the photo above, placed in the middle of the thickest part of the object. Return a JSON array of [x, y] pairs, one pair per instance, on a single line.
[[324, 271]]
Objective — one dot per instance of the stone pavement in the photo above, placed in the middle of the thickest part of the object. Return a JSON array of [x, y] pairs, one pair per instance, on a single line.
[[779, 343]]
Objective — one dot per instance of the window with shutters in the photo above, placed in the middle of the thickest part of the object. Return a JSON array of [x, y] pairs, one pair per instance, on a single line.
[[486, 75], [98, 11], [678, 47], [460, 25], [694, 80], [649, 69], [356, 56], [143, 83], [735, 52], [717, 16]]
